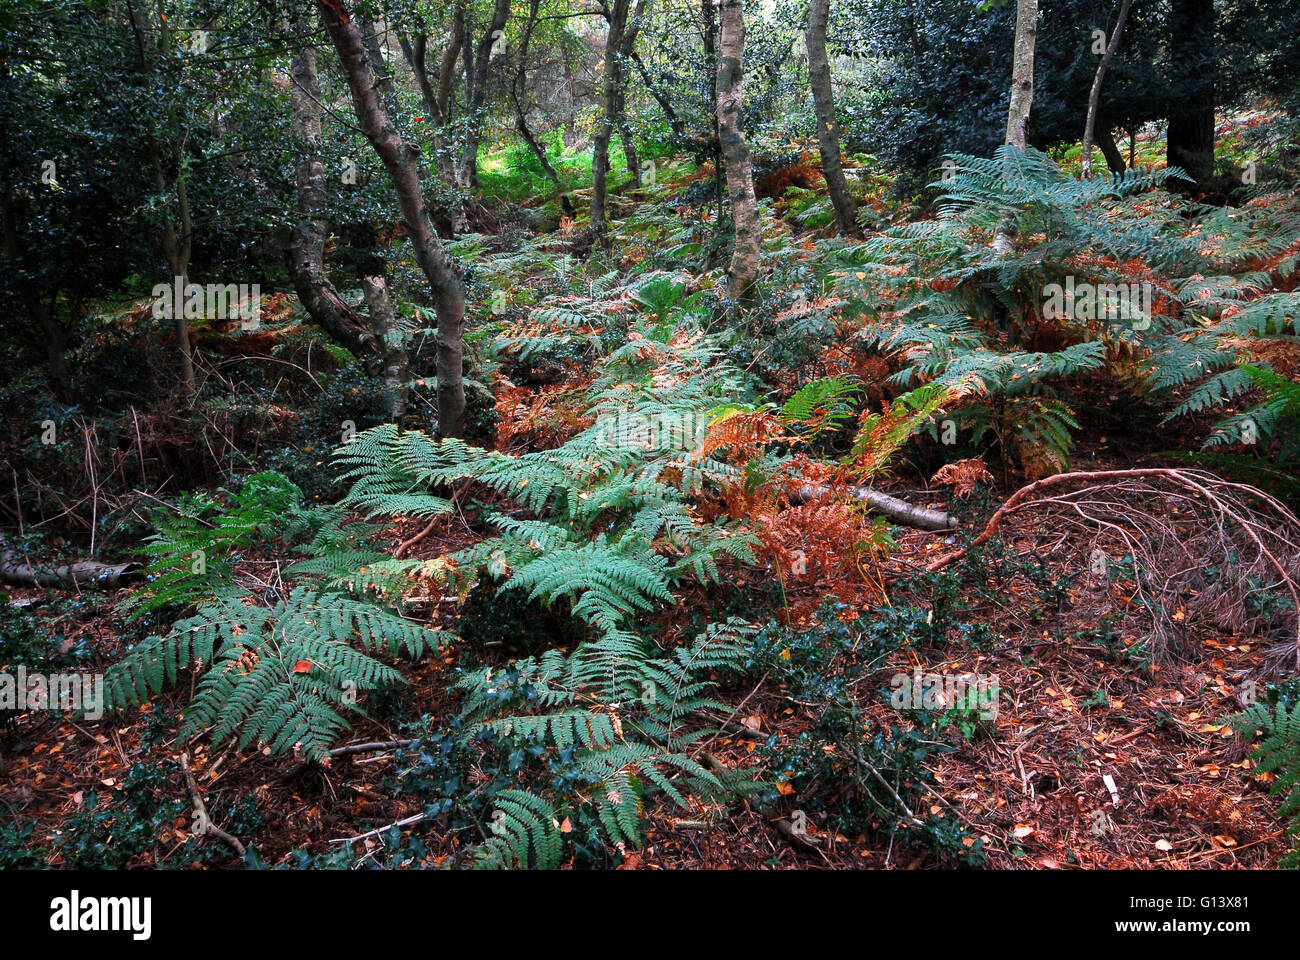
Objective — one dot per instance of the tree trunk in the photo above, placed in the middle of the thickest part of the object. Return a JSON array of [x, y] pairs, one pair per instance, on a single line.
[[819, 79], [476, 82], [55, 340], [665, 104], [436, 98], [625, 50], [1022, 74], [900, 511], [1114, 159], [305, 249], [401, 160], [395, 373], [85, 573], [710, 38], [1190, 139], [1022, 99], [1095, 94], [521, 117], [605, 128], [176, 244], [746, 246]]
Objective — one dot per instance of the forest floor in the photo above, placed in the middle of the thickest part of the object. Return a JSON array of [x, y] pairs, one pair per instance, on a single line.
[[1082, 713]]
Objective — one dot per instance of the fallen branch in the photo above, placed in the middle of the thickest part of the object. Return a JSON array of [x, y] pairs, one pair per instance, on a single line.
[[408, 544], [1204, 517], [895, 509], [344, 751], [205, 822], [379, 830], [369, 747], [85, 573]]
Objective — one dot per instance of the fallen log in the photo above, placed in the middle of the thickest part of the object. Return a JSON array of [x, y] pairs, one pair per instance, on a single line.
[[895, 509], [85, 573]]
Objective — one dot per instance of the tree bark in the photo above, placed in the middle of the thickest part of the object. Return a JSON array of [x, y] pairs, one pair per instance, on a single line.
[[1190, 139], [1095, 94], [1022, 74], [747, 244], [625, 50], [176, 244], [521, 117], [391, 365], [900, 511], [436, 99], [828, 141], [401, 160], [305, 249], [710, 40], [1022, 99], [476, 82], [1114, 159], [605, 129], [84, 573], [395, 373]]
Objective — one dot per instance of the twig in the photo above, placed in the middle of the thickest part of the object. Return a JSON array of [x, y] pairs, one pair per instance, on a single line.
[[378, 830], [201, 809], [407, 544]]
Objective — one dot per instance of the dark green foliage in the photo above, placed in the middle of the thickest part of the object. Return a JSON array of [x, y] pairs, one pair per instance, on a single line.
[[112, 830], [857, 775], [192, 554], [281, 665], [279, 673], [1274, 466]]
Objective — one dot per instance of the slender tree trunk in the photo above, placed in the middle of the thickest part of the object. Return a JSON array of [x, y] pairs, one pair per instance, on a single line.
[[394, 372], [55, 340], [1022, 99], [1190, 139], [747, 245], [401, 160], [436, 98], [605, 128], [1095, 94], [819, 79], [521, 116], [305, 249], [476, 83], [625, 50], [176, 244], [709, 17], [665, 104], [1022, 74]]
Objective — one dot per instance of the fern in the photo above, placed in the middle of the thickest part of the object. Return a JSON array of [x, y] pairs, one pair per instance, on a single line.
[[615, 714], [1277, 753], [194, 545], [524, 834], [279, 666], [281, 674], [938, 299]]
